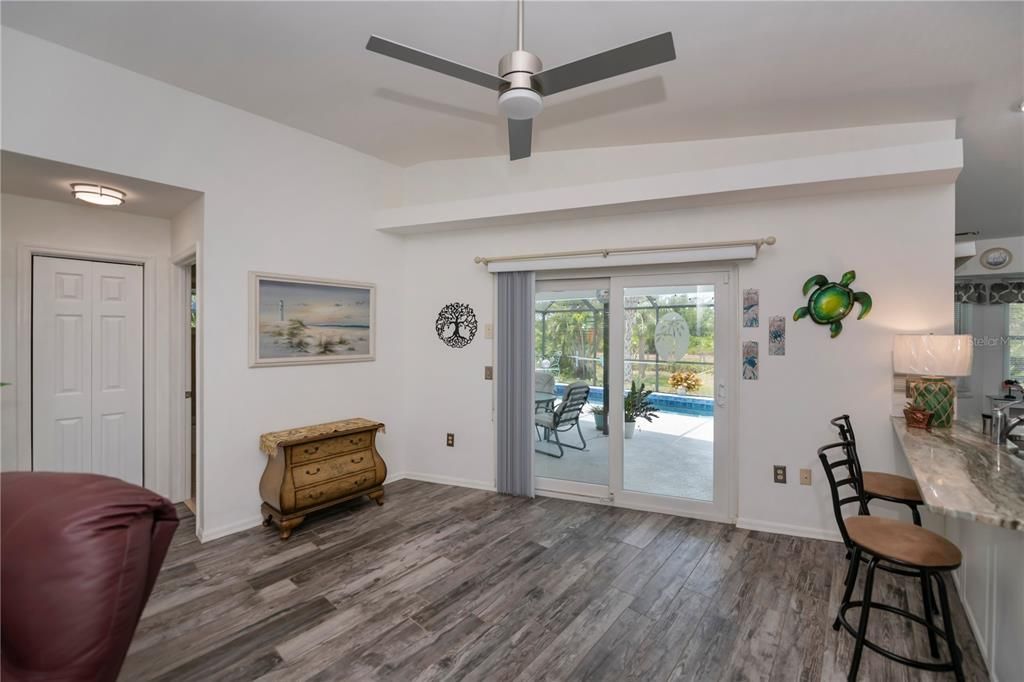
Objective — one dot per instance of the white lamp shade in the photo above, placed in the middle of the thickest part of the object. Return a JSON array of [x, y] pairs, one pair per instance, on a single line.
[[937, 355]]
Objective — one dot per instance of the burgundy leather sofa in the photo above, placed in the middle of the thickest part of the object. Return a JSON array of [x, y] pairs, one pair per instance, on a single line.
[[79, 554]]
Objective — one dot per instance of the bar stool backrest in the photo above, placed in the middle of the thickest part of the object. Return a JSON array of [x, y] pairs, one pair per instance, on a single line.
[[848, 477], [845, 429]]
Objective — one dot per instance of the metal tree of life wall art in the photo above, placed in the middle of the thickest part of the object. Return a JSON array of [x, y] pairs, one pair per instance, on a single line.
[[456, 325], [672, 337]]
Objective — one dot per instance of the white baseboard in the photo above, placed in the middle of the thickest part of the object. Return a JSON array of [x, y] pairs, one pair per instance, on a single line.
[[445, 480], [229, 529], [788, 529]]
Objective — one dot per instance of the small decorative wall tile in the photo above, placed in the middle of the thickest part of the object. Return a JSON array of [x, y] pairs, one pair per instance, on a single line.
[[750, 363], [776, 335], [751, 308]]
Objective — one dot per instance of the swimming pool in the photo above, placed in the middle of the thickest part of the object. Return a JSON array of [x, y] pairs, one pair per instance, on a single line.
[[696, 406]]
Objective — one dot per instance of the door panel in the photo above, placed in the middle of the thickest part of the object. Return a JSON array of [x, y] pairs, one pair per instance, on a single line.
[[61, 365], [678, 459], [571, 331], [87, 343]]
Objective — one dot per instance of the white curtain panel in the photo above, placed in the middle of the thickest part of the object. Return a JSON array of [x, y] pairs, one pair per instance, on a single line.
[[514, 378]]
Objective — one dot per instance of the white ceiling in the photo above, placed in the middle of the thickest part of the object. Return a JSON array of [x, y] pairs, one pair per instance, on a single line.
[[30, 176], [743, 68]]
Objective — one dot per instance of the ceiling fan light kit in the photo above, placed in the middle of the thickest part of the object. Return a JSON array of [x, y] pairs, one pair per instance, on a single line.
[[522, 83]]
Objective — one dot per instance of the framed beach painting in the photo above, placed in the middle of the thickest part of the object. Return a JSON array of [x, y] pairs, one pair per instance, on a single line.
[[303, 321]]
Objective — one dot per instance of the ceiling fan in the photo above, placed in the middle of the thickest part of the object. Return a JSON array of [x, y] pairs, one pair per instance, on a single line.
[[522, 83]]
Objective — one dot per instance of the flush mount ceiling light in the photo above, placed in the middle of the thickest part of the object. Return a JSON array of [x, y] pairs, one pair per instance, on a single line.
[[97, 194]]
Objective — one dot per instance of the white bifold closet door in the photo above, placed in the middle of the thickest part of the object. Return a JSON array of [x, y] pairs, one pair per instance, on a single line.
[[87, 367]]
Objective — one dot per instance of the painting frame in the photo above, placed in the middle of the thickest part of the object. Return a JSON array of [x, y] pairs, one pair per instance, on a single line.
[[256, 279]]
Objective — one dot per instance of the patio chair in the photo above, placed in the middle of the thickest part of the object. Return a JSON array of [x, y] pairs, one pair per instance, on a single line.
[[565, 417], [544, 382]]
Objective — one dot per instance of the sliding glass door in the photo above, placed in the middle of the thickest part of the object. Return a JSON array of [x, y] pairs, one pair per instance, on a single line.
[[671, 428], [631, 383]]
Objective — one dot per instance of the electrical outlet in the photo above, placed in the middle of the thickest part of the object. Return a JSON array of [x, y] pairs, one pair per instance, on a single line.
[[488, 331], [488, 373], [805, 477], [779, 471], [450, 440]]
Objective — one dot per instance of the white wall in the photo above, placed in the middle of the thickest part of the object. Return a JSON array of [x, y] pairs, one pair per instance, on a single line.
[[187, 227], [276, 199], [36, 222], [433, 181], [784, 416]]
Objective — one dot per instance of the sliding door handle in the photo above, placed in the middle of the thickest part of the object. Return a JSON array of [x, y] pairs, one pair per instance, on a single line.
[[721, 394]]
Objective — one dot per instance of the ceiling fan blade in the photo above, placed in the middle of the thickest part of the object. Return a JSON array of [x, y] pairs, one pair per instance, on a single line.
[[615, 62], [520, 134], [389, 48]]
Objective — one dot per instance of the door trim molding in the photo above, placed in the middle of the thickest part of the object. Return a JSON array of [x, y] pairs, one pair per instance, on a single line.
[[179, 417], [151, 474]]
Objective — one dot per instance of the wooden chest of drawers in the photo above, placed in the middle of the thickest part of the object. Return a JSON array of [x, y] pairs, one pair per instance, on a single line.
[[315, 467]]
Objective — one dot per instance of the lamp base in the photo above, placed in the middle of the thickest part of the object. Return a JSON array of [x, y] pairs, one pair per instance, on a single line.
[[935, 395]]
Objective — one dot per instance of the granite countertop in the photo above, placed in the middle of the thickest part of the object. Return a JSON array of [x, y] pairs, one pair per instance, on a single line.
[[962, 474], [269, 442]]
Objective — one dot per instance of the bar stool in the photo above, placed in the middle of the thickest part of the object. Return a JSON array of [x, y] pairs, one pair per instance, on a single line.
[[899, 548], [878, 485]]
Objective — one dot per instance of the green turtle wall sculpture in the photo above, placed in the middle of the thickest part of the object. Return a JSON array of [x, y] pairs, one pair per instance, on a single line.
[[830, 302]]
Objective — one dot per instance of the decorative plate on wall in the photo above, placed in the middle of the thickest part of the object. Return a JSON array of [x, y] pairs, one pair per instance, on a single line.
[[996, 258], [456, 325]]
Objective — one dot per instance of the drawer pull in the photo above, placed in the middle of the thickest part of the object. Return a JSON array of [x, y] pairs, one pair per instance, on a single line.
[[354, 441], [313, 473], [359, 460], [319, 494], [312, 450]]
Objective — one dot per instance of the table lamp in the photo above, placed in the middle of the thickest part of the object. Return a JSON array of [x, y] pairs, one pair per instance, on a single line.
[[932, 358]]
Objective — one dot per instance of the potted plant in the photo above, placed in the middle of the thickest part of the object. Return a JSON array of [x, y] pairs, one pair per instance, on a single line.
[[686, 381], [599, 412], [638, 406]]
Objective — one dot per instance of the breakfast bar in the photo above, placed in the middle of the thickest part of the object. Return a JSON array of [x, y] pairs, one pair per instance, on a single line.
[[978, 488], [964, 475]]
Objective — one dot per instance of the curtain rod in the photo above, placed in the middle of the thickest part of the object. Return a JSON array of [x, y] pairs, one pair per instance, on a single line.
[[758, 243]]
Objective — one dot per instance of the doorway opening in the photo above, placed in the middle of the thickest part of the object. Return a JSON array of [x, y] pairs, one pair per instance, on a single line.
[[190, 392]]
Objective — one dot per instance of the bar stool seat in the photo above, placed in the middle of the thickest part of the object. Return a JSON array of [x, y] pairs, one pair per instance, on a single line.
[[903, 543], [891, 487]]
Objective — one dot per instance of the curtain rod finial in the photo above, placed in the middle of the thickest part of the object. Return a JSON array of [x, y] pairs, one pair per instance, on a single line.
[[480, 260], [770, 240]]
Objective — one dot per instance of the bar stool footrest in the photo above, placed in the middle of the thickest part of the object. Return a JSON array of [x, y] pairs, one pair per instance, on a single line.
[[891, 655]]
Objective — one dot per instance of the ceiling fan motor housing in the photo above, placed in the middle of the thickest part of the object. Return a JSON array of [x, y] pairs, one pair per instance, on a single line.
[[519, 99], [517, 67]]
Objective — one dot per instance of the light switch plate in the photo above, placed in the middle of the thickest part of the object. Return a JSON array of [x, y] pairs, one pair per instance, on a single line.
[[488, 331], [488, 373], [805, 477]]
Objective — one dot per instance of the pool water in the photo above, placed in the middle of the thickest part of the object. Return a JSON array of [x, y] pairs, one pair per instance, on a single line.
[[696, 406]]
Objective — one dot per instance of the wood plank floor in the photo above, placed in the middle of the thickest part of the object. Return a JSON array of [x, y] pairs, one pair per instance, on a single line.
[[450, 583]]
